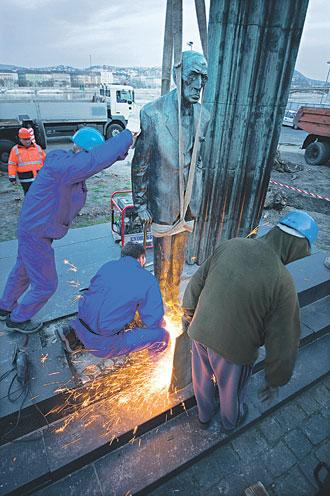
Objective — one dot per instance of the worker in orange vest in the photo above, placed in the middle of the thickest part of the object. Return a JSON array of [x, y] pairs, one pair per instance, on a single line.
[[25, 160]]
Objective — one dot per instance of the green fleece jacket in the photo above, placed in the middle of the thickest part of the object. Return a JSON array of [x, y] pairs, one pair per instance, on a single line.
[[243, 297]]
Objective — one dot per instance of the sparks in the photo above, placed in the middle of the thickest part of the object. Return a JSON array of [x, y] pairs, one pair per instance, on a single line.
[[135, 388], [43, 358], [72, 267], [75, 284]]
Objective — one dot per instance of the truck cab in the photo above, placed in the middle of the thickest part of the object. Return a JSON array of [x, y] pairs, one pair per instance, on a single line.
[[119, 97]]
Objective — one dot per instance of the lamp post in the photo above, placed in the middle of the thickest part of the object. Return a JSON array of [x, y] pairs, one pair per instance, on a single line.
[[326, 81]]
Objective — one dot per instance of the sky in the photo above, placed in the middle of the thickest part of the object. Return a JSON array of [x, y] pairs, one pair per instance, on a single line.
[[37, 33]]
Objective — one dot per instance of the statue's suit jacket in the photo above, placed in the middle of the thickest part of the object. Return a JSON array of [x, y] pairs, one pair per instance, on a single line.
[[155, 165]]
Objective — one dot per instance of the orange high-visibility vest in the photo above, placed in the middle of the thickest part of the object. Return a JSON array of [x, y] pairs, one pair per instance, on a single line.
[[25, 162]]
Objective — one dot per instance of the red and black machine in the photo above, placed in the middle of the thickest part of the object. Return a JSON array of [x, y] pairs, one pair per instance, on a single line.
[[125, 223]]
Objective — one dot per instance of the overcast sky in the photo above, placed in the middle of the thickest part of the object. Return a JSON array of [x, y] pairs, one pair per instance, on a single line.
[[122, 33]]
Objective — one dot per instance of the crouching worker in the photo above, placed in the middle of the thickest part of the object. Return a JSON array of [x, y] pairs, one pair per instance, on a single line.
[[241, 298], [116, 292]]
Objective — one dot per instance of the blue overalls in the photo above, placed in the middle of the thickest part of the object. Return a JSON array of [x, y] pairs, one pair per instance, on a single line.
[[54, 200], [116, 292]]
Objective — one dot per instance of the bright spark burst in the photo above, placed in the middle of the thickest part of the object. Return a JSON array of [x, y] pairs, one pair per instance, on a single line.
[[43, 358], [77, 297], [72, 267], [135, 391], [75, 284]]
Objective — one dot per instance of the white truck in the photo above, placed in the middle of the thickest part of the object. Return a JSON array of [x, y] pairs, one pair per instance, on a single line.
[[55, 113]]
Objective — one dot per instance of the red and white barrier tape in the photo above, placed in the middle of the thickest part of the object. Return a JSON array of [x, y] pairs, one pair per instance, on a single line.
[[314, 195]]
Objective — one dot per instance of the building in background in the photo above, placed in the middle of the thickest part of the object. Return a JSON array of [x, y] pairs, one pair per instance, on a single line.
[[44, 79], [8, 79]]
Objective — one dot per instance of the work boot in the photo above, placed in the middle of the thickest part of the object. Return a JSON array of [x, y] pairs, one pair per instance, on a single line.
[[210, 422], [25, 327], [69, 339], [4, 314]]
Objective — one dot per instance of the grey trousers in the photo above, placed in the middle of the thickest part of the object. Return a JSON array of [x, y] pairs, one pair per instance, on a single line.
[[231, 380]]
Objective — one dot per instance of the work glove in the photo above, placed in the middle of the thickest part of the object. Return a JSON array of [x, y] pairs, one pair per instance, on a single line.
[[186, 319], [267, 393], [145, 216], [135, 137]]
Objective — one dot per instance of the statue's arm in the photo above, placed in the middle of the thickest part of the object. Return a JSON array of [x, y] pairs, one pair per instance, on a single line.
[[140, 167]]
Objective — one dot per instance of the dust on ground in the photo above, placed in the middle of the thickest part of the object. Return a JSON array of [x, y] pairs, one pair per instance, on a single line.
[[315, 179], [310, 178]]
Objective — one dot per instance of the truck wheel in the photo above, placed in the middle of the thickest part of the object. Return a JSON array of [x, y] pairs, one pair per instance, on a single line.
[[40, 134], [113, 130], [5, 147], [317, 153]]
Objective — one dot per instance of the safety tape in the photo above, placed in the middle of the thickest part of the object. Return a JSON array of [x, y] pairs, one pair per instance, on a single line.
[[314, 195]]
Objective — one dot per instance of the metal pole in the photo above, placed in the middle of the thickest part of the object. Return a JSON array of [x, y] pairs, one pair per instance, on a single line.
[[167, 50], [202, 25]]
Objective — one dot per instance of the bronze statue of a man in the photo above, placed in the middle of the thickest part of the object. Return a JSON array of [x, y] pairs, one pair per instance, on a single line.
[[167, 190]]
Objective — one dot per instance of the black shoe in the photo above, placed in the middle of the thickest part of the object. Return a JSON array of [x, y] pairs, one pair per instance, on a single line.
[[26, 327], [205, 425], [240, 421], [4, 314], [69, 339]]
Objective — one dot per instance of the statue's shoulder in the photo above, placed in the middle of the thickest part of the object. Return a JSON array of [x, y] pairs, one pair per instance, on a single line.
[[206, 115], [159, 105]]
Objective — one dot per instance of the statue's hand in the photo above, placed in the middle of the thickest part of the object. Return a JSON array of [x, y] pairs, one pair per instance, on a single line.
[[145, 216]]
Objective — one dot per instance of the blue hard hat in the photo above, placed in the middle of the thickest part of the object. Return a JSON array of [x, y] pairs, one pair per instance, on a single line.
[[87, 138], [303, 223]]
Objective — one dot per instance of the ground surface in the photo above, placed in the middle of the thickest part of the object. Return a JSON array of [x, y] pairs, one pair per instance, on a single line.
[[281, 451]]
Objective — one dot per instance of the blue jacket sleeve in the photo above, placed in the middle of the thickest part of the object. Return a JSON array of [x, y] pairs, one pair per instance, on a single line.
[[151, 310], [83, 165]]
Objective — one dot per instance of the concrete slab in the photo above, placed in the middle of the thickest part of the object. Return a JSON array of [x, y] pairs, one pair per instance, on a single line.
[[48, 371], [311, 277], [86, 248]]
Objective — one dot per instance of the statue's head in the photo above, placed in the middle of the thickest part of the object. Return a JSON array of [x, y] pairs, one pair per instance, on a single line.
[[194, 75]]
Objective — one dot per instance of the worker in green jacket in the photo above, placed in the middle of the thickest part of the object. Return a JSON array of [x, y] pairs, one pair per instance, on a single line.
[[240, 299]]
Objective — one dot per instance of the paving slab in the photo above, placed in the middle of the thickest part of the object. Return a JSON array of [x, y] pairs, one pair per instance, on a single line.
[[82, 482], [316, 315], [22, 462], [311, 277]]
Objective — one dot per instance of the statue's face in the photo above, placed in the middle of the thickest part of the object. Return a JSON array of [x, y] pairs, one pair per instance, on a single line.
[[193, 80]]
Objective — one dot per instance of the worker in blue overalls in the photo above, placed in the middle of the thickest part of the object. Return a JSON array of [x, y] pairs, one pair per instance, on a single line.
[[119, 290], [54, 200]]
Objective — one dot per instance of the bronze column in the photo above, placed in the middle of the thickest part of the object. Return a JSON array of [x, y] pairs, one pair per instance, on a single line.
[[253, 46]]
